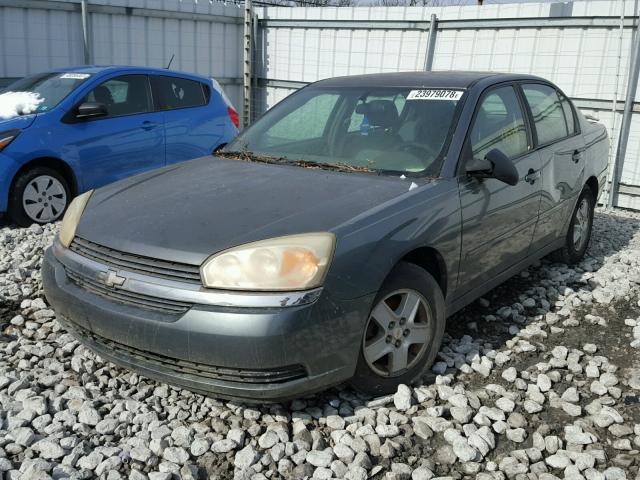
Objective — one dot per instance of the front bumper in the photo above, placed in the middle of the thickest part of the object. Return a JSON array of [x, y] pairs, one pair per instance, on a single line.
[[8, 169], [248, 353]]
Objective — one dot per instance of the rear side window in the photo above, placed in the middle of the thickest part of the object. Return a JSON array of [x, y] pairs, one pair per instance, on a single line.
[[499, 124], [548, 114], [124, 95], [176, 92]]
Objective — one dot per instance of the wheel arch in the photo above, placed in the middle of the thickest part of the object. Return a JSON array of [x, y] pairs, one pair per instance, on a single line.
[[431, 260], [592, 183], [54, 163]]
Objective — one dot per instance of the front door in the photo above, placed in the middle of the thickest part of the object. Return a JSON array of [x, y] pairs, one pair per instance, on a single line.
[[498, 220], [128, 140]]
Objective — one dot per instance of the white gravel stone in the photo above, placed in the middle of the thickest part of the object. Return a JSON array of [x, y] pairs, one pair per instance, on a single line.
[[510, 374], [402, 398]]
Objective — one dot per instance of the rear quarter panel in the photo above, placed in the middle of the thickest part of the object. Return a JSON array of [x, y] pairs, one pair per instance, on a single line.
[[596, 141]]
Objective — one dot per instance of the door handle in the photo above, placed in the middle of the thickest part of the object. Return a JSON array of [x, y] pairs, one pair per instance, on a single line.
[[531, 176], [147, 125], [577, 155]]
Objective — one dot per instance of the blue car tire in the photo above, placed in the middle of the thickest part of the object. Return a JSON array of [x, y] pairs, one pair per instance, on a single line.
[[38, 195]]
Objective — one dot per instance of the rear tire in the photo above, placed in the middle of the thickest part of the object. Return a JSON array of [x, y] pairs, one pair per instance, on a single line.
[[579, 233], [408, 315], [39, 195]]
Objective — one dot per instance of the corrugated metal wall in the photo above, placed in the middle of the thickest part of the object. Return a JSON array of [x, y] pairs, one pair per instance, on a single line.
[[205, 37], [582, 60]]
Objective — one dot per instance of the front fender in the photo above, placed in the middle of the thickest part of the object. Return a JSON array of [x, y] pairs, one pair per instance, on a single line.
[[370, 246]]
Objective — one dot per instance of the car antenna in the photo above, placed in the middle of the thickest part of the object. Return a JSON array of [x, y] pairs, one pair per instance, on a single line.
[[170, 61]]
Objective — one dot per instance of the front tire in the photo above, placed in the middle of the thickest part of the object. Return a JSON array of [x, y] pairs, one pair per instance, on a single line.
[[579, 233], [39, 195], [403, 332]]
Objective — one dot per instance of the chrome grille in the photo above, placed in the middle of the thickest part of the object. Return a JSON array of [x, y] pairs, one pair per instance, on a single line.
[[203, 371], [128, 298], [136, 263]]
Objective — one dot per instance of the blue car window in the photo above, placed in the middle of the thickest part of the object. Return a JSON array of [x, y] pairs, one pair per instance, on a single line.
[[124, 95], [176, 92]]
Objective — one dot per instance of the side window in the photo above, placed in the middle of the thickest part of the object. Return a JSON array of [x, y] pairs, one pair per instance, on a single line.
[[499, 124], [125, 95], [304, 123], [568, 114], [176, 92], [547, 111]]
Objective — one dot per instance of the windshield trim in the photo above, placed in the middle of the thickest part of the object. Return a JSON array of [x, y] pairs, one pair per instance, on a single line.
[[432, 171]]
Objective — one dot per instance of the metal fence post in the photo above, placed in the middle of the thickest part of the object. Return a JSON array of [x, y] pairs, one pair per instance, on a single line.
[[431, 43], [254, 60], [246, 74], [85, 31], [625, 126]]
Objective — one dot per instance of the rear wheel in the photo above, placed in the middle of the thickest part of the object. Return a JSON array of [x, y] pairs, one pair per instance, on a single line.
[[39, 195], [579, 233], [403, 332]]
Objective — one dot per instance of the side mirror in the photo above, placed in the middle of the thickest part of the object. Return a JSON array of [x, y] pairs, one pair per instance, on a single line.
[[494, 165], [91, 110]]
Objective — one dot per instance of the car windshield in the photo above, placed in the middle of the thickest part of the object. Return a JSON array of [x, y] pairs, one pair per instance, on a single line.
[[48, 89], [356, 129]]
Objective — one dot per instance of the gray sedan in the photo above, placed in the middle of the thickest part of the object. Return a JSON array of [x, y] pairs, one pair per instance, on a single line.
[[330, 241]]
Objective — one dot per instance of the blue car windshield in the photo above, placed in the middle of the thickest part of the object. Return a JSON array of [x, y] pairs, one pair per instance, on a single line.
[[383, 129], [51, 88]]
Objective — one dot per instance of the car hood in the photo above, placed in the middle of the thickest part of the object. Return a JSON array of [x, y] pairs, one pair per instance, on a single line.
[[187, 212], [21, 122]]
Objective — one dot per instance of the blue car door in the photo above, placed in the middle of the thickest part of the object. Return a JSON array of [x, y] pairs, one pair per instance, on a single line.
[[194, 123], [127, 140]]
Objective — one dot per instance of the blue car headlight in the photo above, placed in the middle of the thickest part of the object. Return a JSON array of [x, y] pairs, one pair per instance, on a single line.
[[7, 137]]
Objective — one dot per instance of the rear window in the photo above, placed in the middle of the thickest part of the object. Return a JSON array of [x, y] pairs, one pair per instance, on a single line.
[[176, 92]]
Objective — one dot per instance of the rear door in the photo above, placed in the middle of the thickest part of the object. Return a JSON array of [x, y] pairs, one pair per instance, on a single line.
[[129, 140], [195, 123], [561, 148], [498, 220]]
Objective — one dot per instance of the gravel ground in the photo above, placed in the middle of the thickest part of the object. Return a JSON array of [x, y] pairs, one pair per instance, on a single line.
[[539, 379]]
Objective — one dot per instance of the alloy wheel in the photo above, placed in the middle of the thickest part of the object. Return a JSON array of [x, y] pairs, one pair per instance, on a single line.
[[398, 333], [44, 199]]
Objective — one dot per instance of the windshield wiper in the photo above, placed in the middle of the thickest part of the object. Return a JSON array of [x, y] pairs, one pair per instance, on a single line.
[[253, 157]]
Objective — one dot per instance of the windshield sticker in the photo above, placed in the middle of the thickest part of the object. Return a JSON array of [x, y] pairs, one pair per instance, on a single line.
[[75, 76], [435, 94]]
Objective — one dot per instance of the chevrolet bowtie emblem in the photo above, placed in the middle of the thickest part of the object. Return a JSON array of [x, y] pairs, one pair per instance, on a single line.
[[111, 279]]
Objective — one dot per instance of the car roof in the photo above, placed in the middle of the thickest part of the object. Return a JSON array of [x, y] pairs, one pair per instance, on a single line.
[[95, 69], [448, 79]]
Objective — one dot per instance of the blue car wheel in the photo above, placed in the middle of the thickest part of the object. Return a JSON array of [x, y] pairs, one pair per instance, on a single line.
[[39, 195]]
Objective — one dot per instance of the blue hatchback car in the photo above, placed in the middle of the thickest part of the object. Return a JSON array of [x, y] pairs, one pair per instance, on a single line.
[[90, 126]]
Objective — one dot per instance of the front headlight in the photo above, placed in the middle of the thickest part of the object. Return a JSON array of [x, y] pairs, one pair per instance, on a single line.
[[72, 218], [295, 262], [7, 137]]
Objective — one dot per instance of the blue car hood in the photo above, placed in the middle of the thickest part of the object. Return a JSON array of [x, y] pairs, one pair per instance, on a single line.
[[187, 212], [21, 122]]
